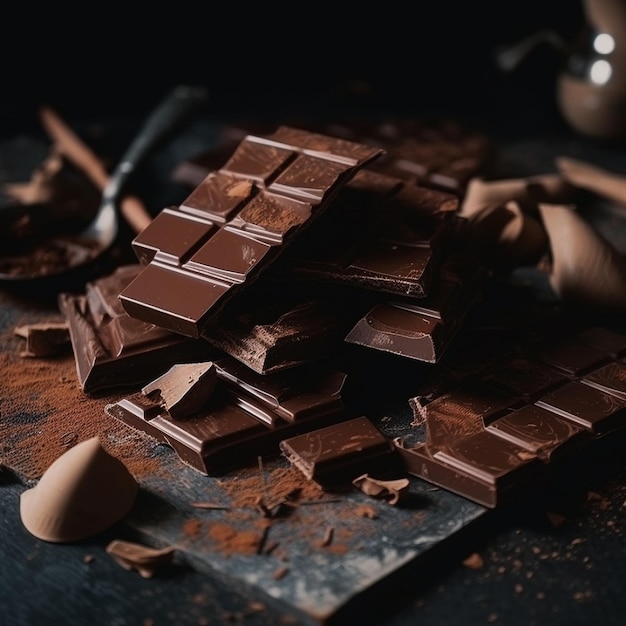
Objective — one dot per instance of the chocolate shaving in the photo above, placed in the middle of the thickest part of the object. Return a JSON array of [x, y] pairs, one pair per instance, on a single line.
[[134, 556], [388, 490]]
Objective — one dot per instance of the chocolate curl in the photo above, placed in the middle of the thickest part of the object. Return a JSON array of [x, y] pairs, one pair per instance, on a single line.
[[510, 237], [135, 556], [388, 490], [72, 148], [592, 178], [484, 196], [586, 269]]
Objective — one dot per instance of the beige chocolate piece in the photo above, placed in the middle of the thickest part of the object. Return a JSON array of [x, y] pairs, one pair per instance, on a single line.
[[593, 178], [44, 339], [85, 491], [586, 269], [185, 388], [135, 556], [482, 195]]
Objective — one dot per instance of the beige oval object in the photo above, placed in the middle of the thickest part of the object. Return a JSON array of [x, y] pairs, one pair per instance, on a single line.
[[586, 268], [85, 491], [593, 110]]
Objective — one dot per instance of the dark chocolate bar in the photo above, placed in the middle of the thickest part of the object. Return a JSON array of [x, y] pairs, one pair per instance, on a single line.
[[235, 224], [497, 435], [112, 349], [246, 416], [381, 234], [335, 455]]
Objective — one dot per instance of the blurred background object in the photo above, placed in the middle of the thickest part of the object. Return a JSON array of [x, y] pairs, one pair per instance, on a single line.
[[431, 56]]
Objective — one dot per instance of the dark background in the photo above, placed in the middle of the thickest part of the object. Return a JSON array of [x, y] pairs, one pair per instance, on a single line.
[[313, 57]]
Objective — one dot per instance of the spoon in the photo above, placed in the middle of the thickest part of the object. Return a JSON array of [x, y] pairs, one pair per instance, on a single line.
[[82, 253]]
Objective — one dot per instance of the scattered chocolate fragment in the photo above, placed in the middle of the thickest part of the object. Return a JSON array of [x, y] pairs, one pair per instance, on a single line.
[[388, 490], [44, 339], [145, 560], [185, 388]]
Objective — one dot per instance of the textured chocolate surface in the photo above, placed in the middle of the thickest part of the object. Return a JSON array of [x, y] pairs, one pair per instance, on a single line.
[[499, 434], [334, 455], [235, 224], [112, 349], [246, 416]]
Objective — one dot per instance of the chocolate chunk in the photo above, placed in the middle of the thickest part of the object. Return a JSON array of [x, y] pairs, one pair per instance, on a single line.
[[247, 415], [337, 454], [111, 349], [238, 220], [185, 388], [44, 339]]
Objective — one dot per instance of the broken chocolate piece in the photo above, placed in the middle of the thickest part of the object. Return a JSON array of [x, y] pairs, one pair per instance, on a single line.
[[185, 388], [489, 447], [111, 349], [335, 455], [247, 415], [44, 339]]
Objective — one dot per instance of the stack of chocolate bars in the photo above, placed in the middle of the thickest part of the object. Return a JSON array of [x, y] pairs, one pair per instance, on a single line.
[[300, 246]]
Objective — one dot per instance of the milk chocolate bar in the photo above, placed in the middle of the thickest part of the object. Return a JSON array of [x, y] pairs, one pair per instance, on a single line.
[[247, 415], [112, 349], [235, 224], [334, 455], [437, 153], [496, 436]]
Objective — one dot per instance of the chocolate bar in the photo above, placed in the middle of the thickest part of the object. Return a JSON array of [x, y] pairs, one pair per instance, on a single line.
[[381, 234], [335, 455], [437, 153], [247, 415], [112, 349], [235, 224], [497, 435], [442, 154]]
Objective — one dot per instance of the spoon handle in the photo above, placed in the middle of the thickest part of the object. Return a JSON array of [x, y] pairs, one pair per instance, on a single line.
[[182, 102]]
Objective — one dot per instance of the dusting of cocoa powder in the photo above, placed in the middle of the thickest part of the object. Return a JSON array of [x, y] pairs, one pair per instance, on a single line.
[[45, 412]]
